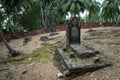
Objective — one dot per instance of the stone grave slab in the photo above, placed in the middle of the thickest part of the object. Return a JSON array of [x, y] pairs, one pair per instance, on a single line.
[[80, 65], [83, 51], [76, 57]]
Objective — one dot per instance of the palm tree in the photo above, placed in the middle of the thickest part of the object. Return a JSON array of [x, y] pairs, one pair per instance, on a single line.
[[11, 51], [44, 9], [109, 10], [73, 6], [10, 6], [56, 14], [92, 7]]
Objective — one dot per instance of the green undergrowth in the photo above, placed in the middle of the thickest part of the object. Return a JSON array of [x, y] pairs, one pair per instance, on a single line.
[[41, 54]]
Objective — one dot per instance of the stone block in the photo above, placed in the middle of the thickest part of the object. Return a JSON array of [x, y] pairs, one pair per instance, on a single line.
[[72, 55]]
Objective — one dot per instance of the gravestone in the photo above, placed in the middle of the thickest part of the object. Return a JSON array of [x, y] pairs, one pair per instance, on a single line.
[[73, 32], [77, 57], [73, 40]]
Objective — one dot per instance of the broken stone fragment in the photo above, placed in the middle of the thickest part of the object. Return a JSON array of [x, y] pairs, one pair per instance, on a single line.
[[63, 67], [72, 55], [59, 75], [66, 73], [44, 38], [96, 59], [65, 49], [3, 69], [53, 33], [24, 72]]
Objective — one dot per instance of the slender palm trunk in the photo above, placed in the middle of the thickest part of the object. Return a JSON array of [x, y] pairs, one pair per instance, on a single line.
[[114, 13], [45, 18], [52, 24], [86, 16], [11, 51], [42, 14]]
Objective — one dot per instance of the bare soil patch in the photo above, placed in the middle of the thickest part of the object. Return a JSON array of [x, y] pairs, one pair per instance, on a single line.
[[104, 39]]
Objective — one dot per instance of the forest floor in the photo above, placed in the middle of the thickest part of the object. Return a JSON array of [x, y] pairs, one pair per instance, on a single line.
[[37, 61]]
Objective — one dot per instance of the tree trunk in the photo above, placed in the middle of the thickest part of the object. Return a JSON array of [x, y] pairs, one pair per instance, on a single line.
[[114, 13], [11, 51], [86, 16], [42, 15]]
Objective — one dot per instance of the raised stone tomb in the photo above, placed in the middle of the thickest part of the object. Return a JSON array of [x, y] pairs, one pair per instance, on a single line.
[[76, 57], [83, 51]]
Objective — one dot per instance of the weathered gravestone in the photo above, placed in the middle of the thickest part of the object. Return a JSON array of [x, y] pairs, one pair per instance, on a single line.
[[73, 40], [77, 57], [73, 32]]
